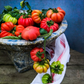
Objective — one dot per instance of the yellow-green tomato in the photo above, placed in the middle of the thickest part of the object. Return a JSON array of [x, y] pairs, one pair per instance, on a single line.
[[40, 68], [9, 18]]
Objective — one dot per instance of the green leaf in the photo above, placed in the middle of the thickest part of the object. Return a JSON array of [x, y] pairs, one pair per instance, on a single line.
[[8, 8], [43, 31], [28, 6]]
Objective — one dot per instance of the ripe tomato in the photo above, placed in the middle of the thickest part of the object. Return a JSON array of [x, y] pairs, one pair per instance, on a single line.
[[7, 26], [36, 16], [19, 29], [5, 33], [57, 15], [41, 67], [48, 24], [33, 53], [25, 21], [30, 33]]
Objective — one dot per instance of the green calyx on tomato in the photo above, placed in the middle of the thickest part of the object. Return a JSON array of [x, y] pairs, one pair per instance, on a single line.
[[43, 31], [46, 78], [37, 54], [55, 10], [49, 23], [57, 67]]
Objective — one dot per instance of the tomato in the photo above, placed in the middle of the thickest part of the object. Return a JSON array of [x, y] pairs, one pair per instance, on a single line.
[[25, 21], [46, 78], [41, 67], [48, 24], [9, 18], [33, 53], [36, 16], [57, 67], [7, 26], [5, 33], [57, 15], [19, 29], [30, 33]]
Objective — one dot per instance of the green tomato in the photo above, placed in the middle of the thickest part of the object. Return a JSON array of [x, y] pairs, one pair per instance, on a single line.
[[46, 78], [22, 4], [57, 67], [9, 18]]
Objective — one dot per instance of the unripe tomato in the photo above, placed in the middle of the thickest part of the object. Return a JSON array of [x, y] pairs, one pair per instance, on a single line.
[[41, 67]]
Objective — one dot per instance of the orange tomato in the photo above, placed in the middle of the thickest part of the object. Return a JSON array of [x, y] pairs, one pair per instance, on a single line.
[[41, 67], [57, 15], [36, 16]]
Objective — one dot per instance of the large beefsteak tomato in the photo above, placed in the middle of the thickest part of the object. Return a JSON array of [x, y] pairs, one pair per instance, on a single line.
[[57, 15], [30, 33]]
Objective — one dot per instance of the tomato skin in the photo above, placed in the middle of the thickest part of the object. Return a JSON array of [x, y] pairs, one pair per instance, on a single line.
[[7, 26], [9, 18], [25, 21], [33, 54], [46, 79], [19, 29], [36, 16], [40, 68], [46, 26], [30, 33], [57, 15], [5, 33]]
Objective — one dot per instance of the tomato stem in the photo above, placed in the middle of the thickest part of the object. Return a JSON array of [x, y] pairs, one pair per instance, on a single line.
[[49, 23], [55, 10]]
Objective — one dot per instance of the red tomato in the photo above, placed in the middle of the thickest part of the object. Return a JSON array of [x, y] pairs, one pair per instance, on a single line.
[[7, 26], [25, 21], [34, 56], [19, 29], [48, 24], [57, 15], [36, 16], [5, 33], [30, 33]]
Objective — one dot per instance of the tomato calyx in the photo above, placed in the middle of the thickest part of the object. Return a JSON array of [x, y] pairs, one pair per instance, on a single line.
[[39, 54], [26, 15], [49, 23], [55, 10]]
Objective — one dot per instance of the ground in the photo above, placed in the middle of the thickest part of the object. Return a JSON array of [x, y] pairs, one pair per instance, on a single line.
[[74, 73]]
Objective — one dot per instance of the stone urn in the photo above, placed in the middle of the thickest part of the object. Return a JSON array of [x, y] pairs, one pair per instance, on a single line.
[[19, 50]]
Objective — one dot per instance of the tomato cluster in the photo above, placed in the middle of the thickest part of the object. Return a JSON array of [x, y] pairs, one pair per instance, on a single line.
[[31, 25]]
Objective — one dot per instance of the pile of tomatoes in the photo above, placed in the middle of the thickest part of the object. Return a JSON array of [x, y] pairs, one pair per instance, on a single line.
[[28, 26]]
